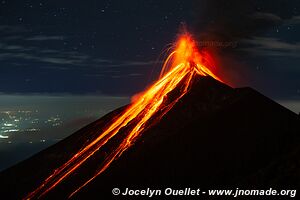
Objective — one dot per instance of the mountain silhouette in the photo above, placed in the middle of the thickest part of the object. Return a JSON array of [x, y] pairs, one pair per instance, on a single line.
[[215, 137]]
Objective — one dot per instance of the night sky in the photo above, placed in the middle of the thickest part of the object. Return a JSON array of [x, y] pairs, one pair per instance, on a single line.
[[106, 47], [115, 47]]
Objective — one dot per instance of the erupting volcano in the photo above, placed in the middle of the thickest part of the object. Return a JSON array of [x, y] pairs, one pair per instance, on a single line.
[[185, 62], [188, 129]]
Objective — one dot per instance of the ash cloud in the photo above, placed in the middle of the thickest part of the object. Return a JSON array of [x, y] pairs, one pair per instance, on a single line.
[[235, 20]]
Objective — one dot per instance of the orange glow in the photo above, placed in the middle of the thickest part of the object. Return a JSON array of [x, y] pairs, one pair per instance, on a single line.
[[178, 71]]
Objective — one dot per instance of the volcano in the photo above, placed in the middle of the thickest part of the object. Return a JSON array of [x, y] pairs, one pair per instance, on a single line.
[[214, 137], [188, 129]]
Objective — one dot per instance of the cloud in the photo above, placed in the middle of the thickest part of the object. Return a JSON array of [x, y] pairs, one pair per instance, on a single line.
[[3, 136], [131, 63], [19, 45], [62, 57], [11, 38], [8, 47], [295, 20], [12, 29], [267, 46], [50, 59], [271, 17], [45, 38], [116, 75]]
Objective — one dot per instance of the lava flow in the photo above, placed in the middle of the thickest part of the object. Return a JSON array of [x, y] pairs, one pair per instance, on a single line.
[[178, 71]]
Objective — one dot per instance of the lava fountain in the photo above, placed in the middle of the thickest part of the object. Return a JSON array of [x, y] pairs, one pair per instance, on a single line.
[[178, 70]]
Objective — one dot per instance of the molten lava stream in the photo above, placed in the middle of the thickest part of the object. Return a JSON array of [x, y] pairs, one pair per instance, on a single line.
[[180, 67]]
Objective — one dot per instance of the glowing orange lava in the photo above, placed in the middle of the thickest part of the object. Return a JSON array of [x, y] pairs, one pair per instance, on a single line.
[[181, 66]]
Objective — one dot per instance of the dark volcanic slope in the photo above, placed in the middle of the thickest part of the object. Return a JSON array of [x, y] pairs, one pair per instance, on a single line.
[[215, 137]]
